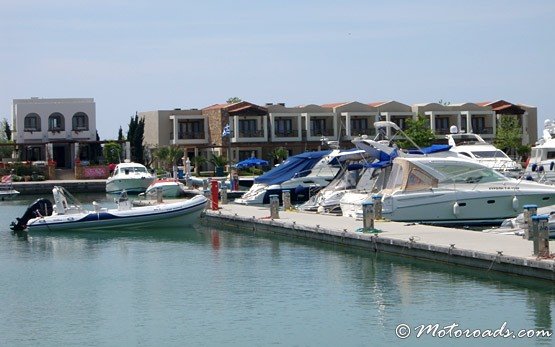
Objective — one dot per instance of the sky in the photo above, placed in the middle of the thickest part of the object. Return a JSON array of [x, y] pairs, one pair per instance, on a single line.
[[149, 55]]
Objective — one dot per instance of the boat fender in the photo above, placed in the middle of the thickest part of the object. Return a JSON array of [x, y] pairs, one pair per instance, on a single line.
[[515, 203], [456, 209], [540, 169], [552, 165], [534, 167]]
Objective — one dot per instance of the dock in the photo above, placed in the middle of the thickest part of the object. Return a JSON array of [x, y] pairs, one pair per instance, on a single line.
[[487, 251], [73, 186]]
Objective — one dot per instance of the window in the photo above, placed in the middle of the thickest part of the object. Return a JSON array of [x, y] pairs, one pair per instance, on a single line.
[[56, 122], [284, 126], [442, 125], [466, 172], [490, 154], [191, 129], [317, 126], [400, 121], [246, 154], [248, 128], [80, 122], [395, 180], [359, 124], [478, 125], [31, 122]]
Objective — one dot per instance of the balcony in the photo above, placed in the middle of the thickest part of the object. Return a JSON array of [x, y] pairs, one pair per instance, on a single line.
[[321, 132], [182, 135], [287, 133], [483, 130]]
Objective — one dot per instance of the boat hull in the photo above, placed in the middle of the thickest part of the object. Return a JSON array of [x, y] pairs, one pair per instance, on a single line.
[[149, 217], [169, 189], [130, 185], [472, 208]]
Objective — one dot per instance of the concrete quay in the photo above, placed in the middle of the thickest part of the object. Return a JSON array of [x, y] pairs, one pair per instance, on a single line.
[[488, 251], [72, 186]]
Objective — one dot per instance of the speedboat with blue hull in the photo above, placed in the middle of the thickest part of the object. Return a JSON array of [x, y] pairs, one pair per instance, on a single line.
[[68, 214]]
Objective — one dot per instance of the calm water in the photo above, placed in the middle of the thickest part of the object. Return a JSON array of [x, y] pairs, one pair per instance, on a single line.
[[204, 287]]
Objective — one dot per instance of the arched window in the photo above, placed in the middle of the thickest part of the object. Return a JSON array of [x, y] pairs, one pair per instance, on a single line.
[[31, 122], [80, 122], [56, 122]]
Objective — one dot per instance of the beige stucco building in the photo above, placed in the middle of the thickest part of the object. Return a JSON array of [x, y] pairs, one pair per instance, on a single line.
[[259, 129]]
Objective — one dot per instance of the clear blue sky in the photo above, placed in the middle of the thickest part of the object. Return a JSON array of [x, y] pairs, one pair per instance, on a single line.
[[146, 55]]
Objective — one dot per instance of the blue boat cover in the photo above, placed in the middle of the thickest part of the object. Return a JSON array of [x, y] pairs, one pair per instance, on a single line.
[[384, 159], [430, 150], [290, 167]]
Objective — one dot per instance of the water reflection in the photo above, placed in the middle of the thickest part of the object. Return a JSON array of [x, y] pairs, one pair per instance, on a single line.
[[390, 284]]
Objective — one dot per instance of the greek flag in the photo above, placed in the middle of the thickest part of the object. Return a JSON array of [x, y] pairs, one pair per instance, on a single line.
[[227, 131]]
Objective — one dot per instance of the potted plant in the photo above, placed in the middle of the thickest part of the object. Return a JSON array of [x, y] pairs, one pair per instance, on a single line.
[[219, 162]]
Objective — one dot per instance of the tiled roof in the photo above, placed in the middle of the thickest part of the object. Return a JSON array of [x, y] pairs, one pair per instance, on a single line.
[[333, 105]]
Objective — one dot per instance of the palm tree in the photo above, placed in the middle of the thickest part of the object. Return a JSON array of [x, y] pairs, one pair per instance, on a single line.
[[174, 154], [162, 155], [168, 156], [198, 161], [279, 154]]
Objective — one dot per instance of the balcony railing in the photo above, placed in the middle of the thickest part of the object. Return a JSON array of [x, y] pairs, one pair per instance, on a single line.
[[249, 133], [484, 130], [321, 132], [442, 131], [363, 131], [287, 133], [182, 135]]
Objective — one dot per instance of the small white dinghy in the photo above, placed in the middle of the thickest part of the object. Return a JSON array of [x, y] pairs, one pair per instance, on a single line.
[[68, 214], [171, 188]]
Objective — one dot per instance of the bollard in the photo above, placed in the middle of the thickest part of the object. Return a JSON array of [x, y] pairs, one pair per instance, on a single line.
[[223, 194], [214, 194], [538, 233], [543, 237], [368, 215], [377, 200], [274, 206], [286, 197], [207, 195], [159, 195], [529, 211]]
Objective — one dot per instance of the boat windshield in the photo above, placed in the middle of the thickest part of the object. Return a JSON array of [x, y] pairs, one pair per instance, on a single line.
[[465, 139], [133, 169], [454, 172], [490, 154], [395, 177]]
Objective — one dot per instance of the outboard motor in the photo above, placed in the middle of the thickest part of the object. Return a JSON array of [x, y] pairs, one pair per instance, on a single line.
[[41, 207]]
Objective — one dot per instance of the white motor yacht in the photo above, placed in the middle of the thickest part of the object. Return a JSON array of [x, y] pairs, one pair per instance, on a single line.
[[474, 147], [131, 177], [456, 191], [541, 164]]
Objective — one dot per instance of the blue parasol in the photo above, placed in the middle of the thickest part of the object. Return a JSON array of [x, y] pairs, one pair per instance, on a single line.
[[250, 163]]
